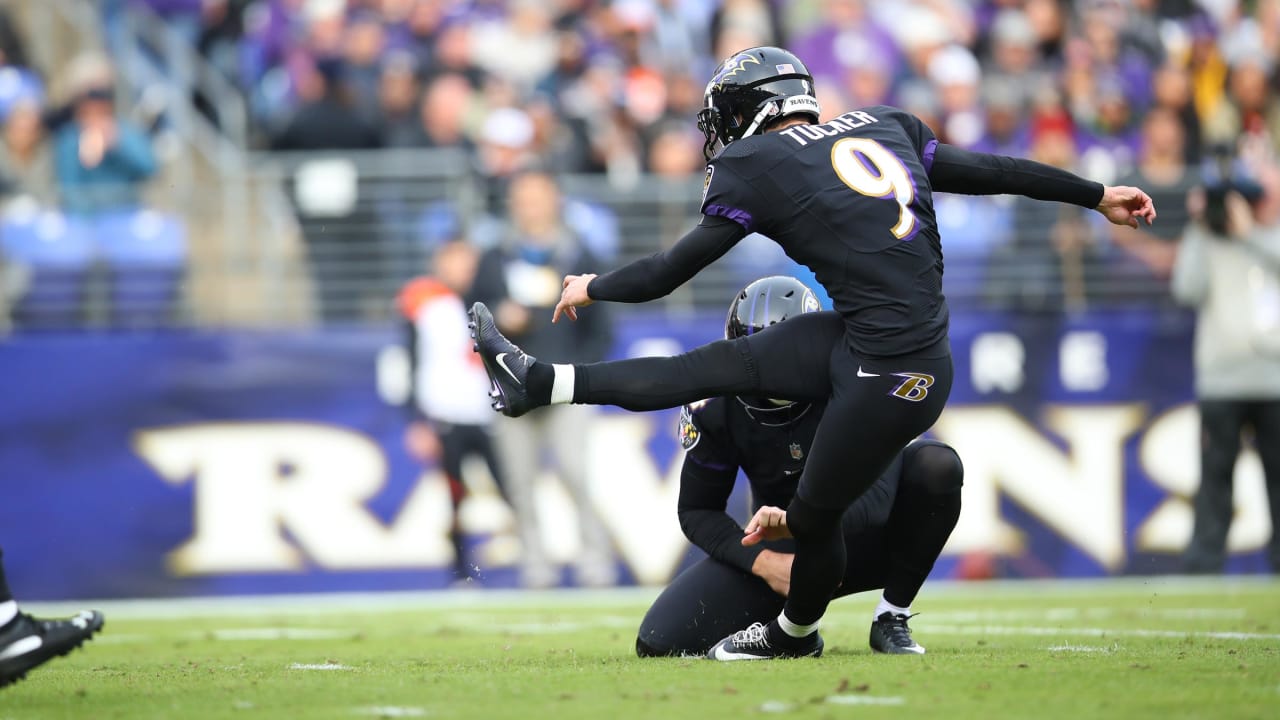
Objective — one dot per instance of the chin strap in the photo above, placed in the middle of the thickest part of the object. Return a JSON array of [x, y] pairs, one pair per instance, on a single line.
[[768, 110]]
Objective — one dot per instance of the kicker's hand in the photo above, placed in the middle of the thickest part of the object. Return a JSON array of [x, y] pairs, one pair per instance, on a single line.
[[573, 296], [769, 523], [1123, 205]]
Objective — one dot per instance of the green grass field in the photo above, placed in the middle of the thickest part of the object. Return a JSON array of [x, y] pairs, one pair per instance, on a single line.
[[1157, 647]]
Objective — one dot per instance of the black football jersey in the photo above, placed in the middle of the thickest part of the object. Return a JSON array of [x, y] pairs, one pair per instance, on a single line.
[[851, 200], [719, 435]]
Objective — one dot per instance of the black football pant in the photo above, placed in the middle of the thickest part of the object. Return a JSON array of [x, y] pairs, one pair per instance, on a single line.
[[1221, 423], [457, 443], [875, 407], [893, 535]]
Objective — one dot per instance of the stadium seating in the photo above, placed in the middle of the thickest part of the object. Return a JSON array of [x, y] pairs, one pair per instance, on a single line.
[[50, 257], [145, 254]]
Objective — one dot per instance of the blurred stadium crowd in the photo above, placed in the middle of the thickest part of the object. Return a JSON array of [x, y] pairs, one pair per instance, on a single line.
[[1132, 91]]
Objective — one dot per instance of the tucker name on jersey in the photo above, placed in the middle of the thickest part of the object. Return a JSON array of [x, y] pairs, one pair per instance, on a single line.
[[844, 123]]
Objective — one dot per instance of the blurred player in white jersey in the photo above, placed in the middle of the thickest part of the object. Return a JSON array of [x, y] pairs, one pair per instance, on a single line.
[[451, 414]]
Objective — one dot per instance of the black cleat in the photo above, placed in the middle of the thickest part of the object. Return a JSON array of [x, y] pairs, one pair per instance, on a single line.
[[890, 635], [28, 642], [506, 364], [753, 644]]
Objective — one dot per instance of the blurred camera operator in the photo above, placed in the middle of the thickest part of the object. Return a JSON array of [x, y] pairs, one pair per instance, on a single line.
[[1228, 269]]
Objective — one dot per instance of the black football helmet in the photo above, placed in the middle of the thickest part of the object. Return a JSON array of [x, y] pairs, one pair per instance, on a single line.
[[765, 302], [751, 90]]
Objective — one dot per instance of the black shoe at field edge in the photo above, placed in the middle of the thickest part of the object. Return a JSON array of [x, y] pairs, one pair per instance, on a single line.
[[28, 642], [754, 644], [890, 635], [506, 364]]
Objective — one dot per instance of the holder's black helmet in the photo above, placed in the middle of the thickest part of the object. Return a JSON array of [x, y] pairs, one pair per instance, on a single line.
[[752, 89], [767, 301]]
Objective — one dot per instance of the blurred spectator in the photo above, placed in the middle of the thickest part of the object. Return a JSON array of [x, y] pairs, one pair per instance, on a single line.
[[1113, 123], [1052, 261], [956, 77], [450, 409], [1171, 90], [1250, 107], [101, 160], [397, 109], [1004, 128], [453, 52], [1228, 269], [917, 97], [1015, 54], [570, 63], [1049, 21], [1206, 65], [846, 40], [26, 167], [1113, 46], [519, 47], [1162, 171], [363, 48], [13, 49], [520, 279], [560, 146], [326, 119], [506, 148], [675, 32], [758, 19], [920, 33], [444, 111], [675, 152]]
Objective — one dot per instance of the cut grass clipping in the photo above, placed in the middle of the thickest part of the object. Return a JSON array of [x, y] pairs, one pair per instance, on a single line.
[[1138, 648]]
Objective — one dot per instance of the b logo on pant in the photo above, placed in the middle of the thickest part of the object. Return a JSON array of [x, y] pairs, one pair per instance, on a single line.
[[914, 386]]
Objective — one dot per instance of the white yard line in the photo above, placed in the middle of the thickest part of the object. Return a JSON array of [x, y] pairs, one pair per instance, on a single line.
[[1082, 648], [928, 628], [273, 633], [1059, 614], [864, 700], [337, 603], [390, 711], [319, 666]]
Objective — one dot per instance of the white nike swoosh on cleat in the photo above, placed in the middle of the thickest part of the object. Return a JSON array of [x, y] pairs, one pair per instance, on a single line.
[[721, 654], [866, 374], [502, 363], [27, 644]]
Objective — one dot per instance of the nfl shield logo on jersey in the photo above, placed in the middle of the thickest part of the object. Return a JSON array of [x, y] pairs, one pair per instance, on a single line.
[[797, 452]]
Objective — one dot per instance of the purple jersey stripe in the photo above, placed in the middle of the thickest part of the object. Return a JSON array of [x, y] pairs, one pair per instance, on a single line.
[[742, 217], [708, 464], [927, 156]]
